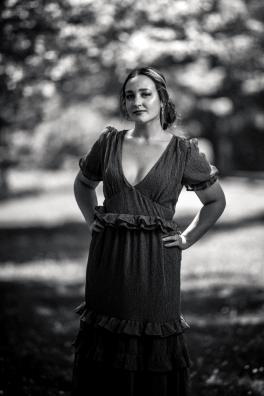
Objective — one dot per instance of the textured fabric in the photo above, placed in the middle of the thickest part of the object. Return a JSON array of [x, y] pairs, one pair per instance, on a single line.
[[92, 165], [143, 276], [95, 379], [198, 173], [133, 353], [131, 318], [131, 327]]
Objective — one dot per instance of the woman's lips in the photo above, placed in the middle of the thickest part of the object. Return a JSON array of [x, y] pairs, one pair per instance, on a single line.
[[139, 111]]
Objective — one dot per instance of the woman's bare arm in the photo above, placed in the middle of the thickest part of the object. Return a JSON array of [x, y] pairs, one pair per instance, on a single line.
[[85, 195], [214, 203], [213, 199]]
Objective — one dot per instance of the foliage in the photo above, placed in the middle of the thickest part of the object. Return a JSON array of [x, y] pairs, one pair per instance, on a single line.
[[80, 50], [67, 136]]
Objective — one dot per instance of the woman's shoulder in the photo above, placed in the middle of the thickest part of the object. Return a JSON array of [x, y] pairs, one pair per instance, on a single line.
[[186, 146], [107, 134], [110, 131], [183, 141]]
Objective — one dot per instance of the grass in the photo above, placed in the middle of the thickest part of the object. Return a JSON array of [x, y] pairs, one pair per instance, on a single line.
[[44, 248]]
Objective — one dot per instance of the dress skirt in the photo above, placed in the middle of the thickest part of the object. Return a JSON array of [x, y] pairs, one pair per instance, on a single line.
[[124, 365], [131, 339]]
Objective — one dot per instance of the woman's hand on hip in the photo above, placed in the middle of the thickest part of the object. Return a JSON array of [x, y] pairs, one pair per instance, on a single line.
[[176, 240], [95, 226]]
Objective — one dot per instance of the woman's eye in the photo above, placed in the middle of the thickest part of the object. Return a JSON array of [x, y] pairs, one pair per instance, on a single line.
[[130, 96]]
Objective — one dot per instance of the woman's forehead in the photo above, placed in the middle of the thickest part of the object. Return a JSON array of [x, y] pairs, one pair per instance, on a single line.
[[140, 82]]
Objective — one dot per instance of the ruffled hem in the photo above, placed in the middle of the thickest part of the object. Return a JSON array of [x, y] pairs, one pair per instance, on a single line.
[[131, 352], [131, 327], [134, 222]]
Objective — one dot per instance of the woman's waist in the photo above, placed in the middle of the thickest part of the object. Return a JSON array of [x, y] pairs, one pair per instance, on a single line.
[[135, 220]]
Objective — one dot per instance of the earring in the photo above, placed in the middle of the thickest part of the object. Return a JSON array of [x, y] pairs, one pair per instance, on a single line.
[[162, 120]]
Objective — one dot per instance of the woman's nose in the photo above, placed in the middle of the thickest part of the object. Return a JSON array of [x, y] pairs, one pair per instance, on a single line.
[[138, 101]]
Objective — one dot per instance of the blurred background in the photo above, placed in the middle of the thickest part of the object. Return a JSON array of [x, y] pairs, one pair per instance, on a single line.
[[62, 64]]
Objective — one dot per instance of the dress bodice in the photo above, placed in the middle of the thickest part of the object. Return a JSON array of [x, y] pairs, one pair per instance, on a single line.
[[156, 195]]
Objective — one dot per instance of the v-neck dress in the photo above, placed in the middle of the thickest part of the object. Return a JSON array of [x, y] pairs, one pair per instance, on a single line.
[[131, 320]]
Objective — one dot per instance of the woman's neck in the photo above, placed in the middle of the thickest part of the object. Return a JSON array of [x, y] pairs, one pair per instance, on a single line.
[[148, 131]]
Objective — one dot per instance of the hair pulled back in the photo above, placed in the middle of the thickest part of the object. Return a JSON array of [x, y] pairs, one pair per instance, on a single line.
[[168, 114]]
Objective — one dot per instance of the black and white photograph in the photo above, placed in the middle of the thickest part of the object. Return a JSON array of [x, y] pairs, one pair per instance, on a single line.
[[131, 198]]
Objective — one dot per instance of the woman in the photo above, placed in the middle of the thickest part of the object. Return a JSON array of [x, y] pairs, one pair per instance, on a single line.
[[131, 339]]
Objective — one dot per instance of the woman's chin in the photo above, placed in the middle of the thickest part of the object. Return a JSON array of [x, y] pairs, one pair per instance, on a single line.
[[139, 116]]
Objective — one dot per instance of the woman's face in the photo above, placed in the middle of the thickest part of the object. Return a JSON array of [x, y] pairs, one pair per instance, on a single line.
[[142, 99]]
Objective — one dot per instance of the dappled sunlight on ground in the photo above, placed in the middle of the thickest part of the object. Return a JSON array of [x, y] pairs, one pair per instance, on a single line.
[[66, 272], [237, 254]]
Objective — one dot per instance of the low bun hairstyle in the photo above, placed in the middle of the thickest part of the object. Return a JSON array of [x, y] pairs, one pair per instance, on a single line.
[[168, 113]]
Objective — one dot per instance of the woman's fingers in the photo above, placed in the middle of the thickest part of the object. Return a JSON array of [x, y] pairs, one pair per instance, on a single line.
[[176, 240], [172, 240], [98, 227], [95, 226]]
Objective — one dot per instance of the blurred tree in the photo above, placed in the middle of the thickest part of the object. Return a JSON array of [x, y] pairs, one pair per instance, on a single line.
[[28, 51], [58, 53]]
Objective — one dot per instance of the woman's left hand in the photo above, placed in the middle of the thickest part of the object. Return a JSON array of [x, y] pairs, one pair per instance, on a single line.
[[96, 226], [176, 240]]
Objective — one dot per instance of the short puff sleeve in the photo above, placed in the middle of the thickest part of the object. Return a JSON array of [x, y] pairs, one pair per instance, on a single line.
[[198, 173], [91, 164]]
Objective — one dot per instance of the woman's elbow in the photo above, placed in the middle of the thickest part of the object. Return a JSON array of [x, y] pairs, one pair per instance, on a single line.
[[76, 187], [218, 202], [222, 199], [222, 204]]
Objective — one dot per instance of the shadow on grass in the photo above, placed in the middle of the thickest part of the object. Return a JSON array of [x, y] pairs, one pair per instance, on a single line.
[[40, 325], [226, 340], [71, 240], [19, 245]]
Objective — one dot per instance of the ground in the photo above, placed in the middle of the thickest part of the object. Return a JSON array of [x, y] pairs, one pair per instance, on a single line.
[[44, 248]]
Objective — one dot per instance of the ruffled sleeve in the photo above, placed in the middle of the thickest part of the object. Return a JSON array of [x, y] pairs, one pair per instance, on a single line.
[[198, 172], [91, 164]]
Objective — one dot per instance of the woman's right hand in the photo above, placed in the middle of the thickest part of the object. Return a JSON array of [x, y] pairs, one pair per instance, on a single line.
[[95, 226]]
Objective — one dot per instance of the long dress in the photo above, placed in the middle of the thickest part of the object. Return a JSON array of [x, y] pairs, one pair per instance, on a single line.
[[131, 339]]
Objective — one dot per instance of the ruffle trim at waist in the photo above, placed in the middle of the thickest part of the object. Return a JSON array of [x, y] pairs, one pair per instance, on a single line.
[[134, 222], [131, 327]]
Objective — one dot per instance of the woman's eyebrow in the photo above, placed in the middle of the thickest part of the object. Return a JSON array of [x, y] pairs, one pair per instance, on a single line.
[[141, 89]]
